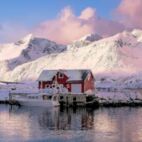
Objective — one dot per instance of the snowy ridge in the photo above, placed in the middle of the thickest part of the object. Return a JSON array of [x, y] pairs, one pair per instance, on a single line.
[[117, 57], [84, 41], [27, 49], [90, 38]]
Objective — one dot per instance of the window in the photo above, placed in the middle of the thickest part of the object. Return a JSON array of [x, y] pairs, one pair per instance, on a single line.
[[74, 98], [30, 97], [49, 97], [55, 98], [61, 75], [36, 97], [45, 97], [47, 86], [61, 97]]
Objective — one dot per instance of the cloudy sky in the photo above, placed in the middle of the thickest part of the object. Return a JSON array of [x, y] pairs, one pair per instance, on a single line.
[[66, 20]]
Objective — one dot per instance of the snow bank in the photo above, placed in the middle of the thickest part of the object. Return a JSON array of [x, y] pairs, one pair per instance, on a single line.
[[124, 96], [28, 87], [108, 96]]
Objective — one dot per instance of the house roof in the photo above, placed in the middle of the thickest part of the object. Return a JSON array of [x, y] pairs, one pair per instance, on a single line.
[[47, 75]]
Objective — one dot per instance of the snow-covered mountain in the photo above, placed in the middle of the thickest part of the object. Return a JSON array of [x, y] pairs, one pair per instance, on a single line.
[[27, 49], [118, 55]]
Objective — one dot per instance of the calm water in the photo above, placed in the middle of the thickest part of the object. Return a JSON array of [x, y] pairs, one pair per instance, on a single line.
[[35, 124]]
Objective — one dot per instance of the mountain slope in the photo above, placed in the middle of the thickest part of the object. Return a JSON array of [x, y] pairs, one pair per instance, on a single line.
[[27, 49], [120, 54]]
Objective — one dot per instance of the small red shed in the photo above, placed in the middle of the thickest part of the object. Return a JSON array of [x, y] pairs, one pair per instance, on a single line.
[[75, 81]]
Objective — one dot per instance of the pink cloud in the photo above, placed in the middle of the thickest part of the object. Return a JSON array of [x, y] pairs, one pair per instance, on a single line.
[[68, 27], [130, 12]]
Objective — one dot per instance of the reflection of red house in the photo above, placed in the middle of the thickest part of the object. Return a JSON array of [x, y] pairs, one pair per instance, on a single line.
[[76, 81]]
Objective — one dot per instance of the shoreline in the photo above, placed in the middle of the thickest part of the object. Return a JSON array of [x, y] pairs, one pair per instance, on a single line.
[[103, 98], [93, 106]]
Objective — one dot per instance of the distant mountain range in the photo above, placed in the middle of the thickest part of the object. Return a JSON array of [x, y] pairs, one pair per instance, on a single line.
[[116, 55]]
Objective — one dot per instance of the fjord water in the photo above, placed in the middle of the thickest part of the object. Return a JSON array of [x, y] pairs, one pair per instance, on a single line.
[[38, 124]]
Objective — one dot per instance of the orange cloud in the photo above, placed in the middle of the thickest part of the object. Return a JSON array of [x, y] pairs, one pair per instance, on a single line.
[[130, 12], [68, 27]]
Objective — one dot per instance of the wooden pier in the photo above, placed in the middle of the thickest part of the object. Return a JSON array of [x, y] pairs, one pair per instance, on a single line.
[[78, 100], [65, 100]]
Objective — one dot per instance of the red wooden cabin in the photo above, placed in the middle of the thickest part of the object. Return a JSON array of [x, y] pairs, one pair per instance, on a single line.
[[75, 81]]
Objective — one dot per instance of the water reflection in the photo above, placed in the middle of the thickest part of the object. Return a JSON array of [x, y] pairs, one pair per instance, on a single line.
[[35, 124], [58, 118]]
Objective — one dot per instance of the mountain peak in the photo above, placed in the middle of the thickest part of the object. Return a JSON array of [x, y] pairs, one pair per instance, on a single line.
[[90, 37], [138, 34], [25, 40], [136, 31], [28, 37], [85, 40]]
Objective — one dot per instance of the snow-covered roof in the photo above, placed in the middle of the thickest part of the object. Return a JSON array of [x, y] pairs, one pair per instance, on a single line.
[[47, 75]]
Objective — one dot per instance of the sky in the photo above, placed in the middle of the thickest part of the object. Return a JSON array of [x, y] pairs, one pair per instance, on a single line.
[[64, 21]]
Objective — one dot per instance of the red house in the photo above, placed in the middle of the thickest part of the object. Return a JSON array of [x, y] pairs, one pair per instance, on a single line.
[[75, 81]]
